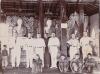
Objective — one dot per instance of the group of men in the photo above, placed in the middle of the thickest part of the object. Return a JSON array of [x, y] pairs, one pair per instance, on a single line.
[[76, 44], [33, 46], [37, 45]]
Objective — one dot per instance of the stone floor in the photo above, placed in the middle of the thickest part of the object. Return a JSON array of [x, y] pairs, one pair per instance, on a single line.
[[45, 71]]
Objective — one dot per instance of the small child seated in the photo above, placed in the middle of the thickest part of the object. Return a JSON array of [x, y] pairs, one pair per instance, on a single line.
[[76, 64], [89, 63], [63, 63], [37, 64]]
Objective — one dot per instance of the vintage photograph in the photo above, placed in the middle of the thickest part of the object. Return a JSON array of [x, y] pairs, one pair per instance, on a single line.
[[49, 36]]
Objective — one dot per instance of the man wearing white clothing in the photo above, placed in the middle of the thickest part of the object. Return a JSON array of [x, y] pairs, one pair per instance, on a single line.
[[40, 47], [11, 45], [85, 44], [53, 45], [29, 50], [74, 46]]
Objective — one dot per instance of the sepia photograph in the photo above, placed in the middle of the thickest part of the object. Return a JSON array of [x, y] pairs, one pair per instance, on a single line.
[[49, 36]]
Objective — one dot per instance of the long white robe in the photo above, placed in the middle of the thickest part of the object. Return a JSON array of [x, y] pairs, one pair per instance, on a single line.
[[53, 45]]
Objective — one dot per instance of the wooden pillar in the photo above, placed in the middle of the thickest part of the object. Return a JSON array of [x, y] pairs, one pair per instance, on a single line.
[[88, 26], [0, 43], [81, 26], [0, 58], [63, 30], [0, 11], [99, 28], [41, 18]]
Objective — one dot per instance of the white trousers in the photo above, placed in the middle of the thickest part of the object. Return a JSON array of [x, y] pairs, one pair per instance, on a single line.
[[4, 61], [29, 56], [40, 52], [15, 57], [73, 51], [85, 50], [53, 51]]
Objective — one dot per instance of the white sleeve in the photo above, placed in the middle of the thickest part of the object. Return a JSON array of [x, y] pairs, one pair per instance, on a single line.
[[50, 42], [43, 43], [81, 40], [78, 44], [69, 42]]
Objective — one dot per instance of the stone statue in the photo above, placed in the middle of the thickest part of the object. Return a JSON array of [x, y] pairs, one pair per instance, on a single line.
[[20, 30]]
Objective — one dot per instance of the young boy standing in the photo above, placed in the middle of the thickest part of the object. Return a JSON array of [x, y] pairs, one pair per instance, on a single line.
[[4, 56]]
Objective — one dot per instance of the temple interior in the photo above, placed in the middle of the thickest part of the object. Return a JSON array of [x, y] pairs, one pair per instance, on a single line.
[[63, 17]]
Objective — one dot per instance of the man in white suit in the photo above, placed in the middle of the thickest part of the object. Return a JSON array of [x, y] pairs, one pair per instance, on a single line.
[[85, 44], [29, 50], [74, 46], [40, 47], [53, 45]]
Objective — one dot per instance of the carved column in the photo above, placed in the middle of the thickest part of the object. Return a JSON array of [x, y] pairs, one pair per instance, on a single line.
[[41, 18], [81, 26], [63, 30], [0, 11], [0, 42], [99, 28], [0, 58]]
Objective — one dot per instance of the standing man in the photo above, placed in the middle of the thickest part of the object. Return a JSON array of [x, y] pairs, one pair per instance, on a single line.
[[74, 46], [11, 45], [85, 44], [40, 47], [53, 45], [29, 50], [4, 56]]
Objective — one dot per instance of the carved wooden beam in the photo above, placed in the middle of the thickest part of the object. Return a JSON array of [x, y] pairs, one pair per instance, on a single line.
[[41, 20]]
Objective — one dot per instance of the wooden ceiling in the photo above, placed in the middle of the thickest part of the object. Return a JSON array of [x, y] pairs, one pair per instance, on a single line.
[[31, 7]]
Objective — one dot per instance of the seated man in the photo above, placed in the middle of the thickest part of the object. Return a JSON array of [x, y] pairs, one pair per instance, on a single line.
[[37, 64], [63, 63], [89, 63], [76, 64]]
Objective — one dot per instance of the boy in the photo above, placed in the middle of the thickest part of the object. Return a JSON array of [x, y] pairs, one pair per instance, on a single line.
[[63, 63], [37, 64], [89, 63], [76, 64], [4, 56]]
